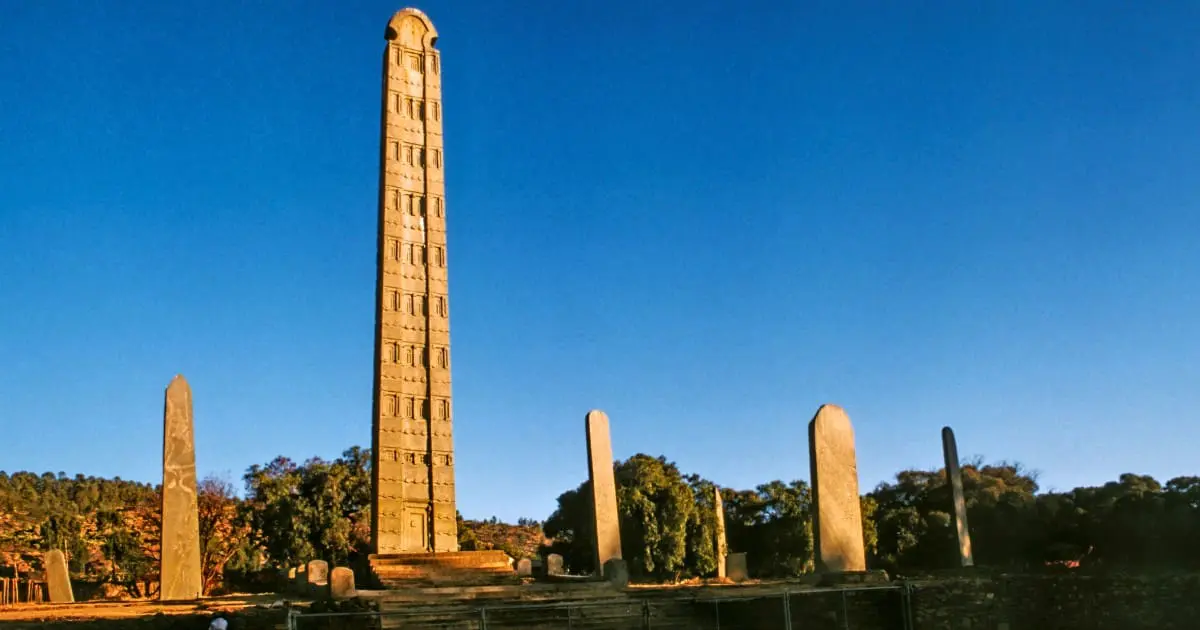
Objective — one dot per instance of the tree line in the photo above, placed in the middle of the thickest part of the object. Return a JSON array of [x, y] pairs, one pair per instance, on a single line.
[[1134, 522], [291, 512]]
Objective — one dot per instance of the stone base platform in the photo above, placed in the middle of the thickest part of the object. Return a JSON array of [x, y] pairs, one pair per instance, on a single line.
[[458, 568], [854, 578], [526, 606]]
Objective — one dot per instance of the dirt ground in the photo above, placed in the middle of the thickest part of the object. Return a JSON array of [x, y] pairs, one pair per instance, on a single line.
[[242, 611]]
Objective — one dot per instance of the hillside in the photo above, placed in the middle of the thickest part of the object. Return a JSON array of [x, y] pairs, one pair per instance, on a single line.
[[522, 540]]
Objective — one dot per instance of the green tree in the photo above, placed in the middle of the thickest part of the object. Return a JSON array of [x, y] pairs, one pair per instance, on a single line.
[[701, 529], [571, 530], [772, 524], [655, 504], [316, 510]]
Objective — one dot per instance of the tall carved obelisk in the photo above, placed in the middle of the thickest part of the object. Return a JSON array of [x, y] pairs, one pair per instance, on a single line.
[[412, 443]]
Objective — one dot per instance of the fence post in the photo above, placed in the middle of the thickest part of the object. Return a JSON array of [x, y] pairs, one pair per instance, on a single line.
[[787, 610], [906, 606], [483, 619], [845, 616]]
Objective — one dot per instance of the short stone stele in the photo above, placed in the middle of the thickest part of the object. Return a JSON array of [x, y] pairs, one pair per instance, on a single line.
[[180, 521], [616, 572], [735, 567], [554, 564], [959, 513], [837, 521], [318, 578], [58, 580], [604, 489], [341, 583], [524, 567], [299, 580]]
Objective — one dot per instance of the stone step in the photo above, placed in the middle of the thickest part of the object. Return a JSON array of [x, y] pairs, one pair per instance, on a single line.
[[448, 568], [617, 612], [464, 559], [526, 593]]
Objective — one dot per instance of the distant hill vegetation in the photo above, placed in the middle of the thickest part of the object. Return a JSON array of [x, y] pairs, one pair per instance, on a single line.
[[292, 512], [523, 540]]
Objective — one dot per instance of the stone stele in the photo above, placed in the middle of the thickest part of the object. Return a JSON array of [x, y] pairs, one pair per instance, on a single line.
[[959, 513], [299, 579], [735, 567], [180, 521], [554, 564], [341, 583], [412, 445], [58, 580], [524, 567], [837, 521], [616, 572], [722, 548], [604, 489], [318, 578]]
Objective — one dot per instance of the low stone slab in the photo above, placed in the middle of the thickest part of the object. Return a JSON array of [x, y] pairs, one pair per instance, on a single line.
[[616, 572], [735, 567], [432, 569], [341, 583], [854, 578], [318, 579], [299, 583], [554, 564], [525, 567]]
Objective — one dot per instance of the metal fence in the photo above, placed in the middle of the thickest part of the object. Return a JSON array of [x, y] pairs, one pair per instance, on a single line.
[[816, 609]]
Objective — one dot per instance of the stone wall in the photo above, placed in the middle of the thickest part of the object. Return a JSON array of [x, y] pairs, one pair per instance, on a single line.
[[1051, 602], [977, 601]]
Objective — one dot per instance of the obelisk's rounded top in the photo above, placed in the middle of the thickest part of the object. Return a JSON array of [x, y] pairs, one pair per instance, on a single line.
[[412, 27]]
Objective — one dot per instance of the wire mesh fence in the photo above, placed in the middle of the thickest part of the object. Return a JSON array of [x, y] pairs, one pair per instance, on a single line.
[[832, 609]]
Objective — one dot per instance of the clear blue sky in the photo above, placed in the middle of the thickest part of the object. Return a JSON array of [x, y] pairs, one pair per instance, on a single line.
[[705, 220]]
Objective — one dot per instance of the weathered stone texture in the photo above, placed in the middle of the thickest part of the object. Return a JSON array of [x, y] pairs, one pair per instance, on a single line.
[[837, 519], [318, 579], [959, 512], [412, 438], [616, 572], [180, 520], [524, 567], [554, 564], [735, 567], [318, 572], [341, 583], [299, 577], [462, 568], [1096, 602], [58, 578], [982, 602], [604, 488], [722, 548]]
